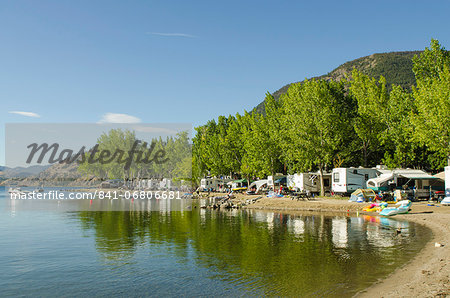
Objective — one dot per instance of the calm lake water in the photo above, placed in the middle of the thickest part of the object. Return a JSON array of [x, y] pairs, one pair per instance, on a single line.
[[199, 252]]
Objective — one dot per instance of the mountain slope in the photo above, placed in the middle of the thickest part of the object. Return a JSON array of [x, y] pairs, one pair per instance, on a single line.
[[396, 67], [22, 172]]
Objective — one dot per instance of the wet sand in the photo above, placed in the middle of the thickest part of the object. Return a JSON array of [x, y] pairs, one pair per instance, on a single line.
[[427, 275]]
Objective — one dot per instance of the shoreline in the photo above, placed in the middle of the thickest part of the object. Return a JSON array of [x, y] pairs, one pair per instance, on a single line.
[[426, 275]]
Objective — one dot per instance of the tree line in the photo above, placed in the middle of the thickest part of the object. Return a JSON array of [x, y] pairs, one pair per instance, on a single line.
[[119, 154], [319, 124]]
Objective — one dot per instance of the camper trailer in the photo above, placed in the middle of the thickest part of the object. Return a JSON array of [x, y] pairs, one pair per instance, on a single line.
[[447, 182], [347, 180], [214, 183], [417, 183], [384, 182], [446, 200], [308, 182]]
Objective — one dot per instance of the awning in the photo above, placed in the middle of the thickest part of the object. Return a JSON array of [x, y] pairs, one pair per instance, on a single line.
[[417, 176], [258, 183], [440, 175], [382, 178], [240, 181], [281, 180]]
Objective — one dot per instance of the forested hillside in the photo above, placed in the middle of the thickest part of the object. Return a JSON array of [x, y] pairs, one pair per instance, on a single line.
[[395, 67]]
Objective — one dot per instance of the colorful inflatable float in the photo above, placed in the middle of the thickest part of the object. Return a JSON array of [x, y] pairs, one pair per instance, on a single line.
[[402, 208], [375, 207]]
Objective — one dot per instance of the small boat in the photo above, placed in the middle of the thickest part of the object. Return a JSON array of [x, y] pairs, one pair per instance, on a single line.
[[14, 190], [39, 189], [402, 208]]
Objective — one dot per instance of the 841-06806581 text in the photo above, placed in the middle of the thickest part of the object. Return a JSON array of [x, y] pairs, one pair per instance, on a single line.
[[158, 195], [100, 195]]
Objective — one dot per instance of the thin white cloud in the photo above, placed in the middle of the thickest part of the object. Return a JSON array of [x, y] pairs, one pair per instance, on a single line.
[[26, 114], [172, 34], [119, 118]]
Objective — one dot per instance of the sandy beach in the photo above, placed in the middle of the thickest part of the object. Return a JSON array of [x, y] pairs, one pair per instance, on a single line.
[[427, 275]]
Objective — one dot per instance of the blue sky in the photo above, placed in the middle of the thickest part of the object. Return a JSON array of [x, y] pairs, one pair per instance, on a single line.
[[186, 61]]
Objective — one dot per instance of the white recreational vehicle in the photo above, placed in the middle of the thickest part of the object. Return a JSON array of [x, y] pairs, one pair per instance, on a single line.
[[381, 183], [214, 183], [165, 183], [446, 200], [308, 182], [419, 183], [347, 180]]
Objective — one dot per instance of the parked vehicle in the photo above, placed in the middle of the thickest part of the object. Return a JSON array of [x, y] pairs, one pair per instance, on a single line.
[[238, 185], [347, 180], [214, 183], [417, 184], [383, 182], [272, 179], [308, 182], [446, 200]]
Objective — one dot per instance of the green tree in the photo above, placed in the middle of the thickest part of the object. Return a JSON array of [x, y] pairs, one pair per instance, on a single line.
[[317, 120], [251, 160], [262, 149], [432, 100], [371, 97], [235, 143], [429, 65], [397, 137], [115, 140], [273, 132], [199, 156]]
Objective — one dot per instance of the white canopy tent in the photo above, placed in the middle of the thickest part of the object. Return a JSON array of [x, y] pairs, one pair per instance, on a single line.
[[258, 184]]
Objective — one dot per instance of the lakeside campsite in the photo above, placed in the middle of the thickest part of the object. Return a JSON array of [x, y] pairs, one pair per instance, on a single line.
[[296, 156], [225, 149], [321, 126]]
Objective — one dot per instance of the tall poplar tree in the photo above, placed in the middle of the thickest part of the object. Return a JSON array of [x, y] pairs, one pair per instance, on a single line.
[[432, 99], [318, 120]]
